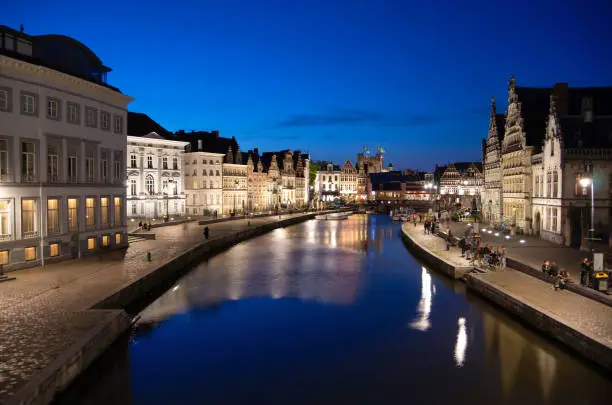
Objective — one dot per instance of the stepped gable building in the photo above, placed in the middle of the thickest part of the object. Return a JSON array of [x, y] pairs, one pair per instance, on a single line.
[[287, 177], [348, 181], [204, 159], [492, 195], [552, 138], [461, 184], [155, 175], [62, 151]]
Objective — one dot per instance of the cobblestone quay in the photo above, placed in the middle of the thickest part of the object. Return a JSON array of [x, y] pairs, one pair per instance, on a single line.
[[580, 323], [49, 332]]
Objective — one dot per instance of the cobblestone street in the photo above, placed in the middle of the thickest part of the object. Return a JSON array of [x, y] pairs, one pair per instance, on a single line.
[[583, 314], [45, 310]]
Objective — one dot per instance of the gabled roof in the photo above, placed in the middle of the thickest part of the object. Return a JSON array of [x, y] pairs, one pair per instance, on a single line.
[[534, 111], [211, 142]]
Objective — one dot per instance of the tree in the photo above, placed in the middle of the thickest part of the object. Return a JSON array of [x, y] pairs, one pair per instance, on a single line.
[[315, 165]]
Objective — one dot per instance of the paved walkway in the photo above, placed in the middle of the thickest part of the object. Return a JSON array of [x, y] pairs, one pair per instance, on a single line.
[[589, 317], [534, 252], [45, 310]]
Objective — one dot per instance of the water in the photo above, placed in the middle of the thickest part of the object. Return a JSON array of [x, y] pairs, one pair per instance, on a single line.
[[332, 312]]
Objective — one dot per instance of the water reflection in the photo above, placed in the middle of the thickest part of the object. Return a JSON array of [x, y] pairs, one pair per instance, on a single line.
[[422, 322], [461, 344], [291, 318]]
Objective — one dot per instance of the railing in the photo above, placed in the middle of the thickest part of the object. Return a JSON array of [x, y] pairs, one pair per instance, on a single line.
[[29, 178], [30, 235], [4, 238], [73, 179], [52, 178], [6, 178]]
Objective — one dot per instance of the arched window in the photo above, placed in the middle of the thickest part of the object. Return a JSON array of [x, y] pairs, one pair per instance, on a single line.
[[211, 173], [150, 184]]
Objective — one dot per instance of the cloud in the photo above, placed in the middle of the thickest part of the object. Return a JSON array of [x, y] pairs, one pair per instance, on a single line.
[[335, 117], [354, 117]]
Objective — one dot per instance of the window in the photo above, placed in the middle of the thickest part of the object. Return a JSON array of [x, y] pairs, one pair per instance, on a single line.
[[54, 249], [74, 113], [195, 183], [90, 213], [5, 99], [103, 166], [91, 117], [105, 240], [89, 167], [52, 165], [105, 120], [72, 168], [117, 206], [4, 257], [134, 209], [549, 184], [28, 159], [29, 253], [554, 220], [149, 162], [150, 184], [165, 186], [175, 163], [29, 104], [104, 212], [133, 161], [28, 218], [3, 160], [117, 168], [118, 124], [53, 108], [204, 172], [5, 220], [53, 224], [555, 184], [73, 214], [165, 163], [133, 187], [91, 243]]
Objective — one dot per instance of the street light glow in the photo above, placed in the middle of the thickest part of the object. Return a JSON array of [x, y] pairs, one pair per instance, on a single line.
[[523, 241], [507, 237], [585, 181]]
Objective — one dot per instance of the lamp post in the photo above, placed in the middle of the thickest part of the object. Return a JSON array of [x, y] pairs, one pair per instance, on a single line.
[[585, 182]]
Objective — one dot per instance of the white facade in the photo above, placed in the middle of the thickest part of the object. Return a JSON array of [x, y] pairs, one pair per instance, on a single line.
[[204, 183], [62, 165], [234, 188], [155, 177], [327, 183]]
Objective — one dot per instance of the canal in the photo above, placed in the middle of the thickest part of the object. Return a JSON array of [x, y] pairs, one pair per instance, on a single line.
[[330, 312]]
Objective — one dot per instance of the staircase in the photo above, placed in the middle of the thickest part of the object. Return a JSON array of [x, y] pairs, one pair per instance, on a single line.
[[134, 239]]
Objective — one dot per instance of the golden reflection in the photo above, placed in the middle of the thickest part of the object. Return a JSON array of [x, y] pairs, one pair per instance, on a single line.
[[461, 343], [422, 322]]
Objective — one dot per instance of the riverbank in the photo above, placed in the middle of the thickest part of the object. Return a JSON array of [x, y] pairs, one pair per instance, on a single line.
[[56, 320], [578, 322]]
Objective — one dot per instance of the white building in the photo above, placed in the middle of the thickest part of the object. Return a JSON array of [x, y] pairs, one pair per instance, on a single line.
[[327, 183], [204, 182], [155, 177], [62, 151]]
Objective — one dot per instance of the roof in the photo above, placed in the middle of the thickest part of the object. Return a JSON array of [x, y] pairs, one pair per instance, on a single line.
[[58, 52], [534, 111], [139, 124], [393, 176], [580, 134], [210, 142], [463, 166]]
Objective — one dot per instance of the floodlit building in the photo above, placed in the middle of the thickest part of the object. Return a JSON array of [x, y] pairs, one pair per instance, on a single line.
[[62, 151]]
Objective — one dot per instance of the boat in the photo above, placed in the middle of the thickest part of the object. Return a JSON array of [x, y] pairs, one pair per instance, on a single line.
[[332, 217]]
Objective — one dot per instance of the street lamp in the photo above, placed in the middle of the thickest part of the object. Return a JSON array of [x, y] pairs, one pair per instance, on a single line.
[[585, 182]]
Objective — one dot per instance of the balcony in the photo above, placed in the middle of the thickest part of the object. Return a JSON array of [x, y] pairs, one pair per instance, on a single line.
[[5, 238], [30, 235], [52, 178], [29, 178], [6, 178]]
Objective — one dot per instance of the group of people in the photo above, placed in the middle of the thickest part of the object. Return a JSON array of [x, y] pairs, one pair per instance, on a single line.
[[145, 226], [560, 277], [430, 226], [490, 256]]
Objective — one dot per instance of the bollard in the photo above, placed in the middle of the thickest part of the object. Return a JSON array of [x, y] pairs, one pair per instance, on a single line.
[[149, 256]]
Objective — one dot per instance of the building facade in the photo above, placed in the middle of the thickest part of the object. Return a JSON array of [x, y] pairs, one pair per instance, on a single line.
[[62, 151], [327, 182], [155, 185], [461, 184], [204, 183], [348, 181], [492, 195]]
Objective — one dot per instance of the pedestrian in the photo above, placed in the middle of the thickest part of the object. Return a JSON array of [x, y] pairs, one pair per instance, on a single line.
[[585, 270], [206, 231], [502, 257], [554, 270], [546, 267]]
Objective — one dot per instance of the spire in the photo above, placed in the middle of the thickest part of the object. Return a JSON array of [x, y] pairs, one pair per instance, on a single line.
[[512, 96], [492, 120], [238, 159], [250, 164], [552, 109]]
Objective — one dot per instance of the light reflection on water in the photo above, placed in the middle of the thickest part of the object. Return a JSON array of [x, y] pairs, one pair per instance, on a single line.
[[340, 312]]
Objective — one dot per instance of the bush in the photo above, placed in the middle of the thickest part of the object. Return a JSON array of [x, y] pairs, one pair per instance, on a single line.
[[454, 217]]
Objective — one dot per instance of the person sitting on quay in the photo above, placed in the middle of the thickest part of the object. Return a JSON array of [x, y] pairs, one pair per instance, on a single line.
[[554, 269], [546, 266], [561, 280]]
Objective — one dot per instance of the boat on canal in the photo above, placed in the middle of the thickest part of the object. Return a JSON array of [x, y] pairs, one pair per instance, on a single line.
[[332, 217]]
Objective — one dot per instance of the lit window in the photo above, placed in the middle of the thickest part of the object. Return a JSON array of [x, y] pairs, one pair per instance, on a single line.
[[117, 239], [117, 206], [90, 217], [4, 256], [28, 218], [105, 240], [73, 214], [91, 243], [103, 211], [53, 216], [29, 253], [54, 249]]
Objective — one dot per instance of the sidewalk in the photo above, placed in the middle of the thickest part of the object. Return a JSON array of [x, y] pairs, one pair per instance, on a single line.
[[532, 253], [589, 318], [45, 310]]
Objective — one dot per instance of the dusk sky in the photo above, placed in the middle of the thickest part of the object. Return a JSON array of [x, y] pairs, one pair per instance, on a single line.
[[415, 77]]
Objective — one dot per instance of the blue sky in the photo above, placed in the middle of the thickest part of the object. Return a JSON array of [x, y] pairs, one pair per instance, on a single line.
[[415, 77]]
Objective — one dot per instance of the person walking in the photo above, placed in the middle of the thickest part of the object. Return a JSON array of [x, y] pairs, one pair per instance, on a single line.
[[206, 232], [585, 272]]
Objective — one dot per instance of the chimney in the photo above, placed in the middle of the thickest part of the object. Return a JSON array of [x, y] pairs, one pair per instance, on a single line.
[[21, 28], [216, 134], [199, 144]]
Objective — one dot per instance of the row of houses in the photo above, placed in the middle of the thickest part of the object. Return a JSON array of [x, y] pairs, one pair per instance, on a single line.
[[75, 165]]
